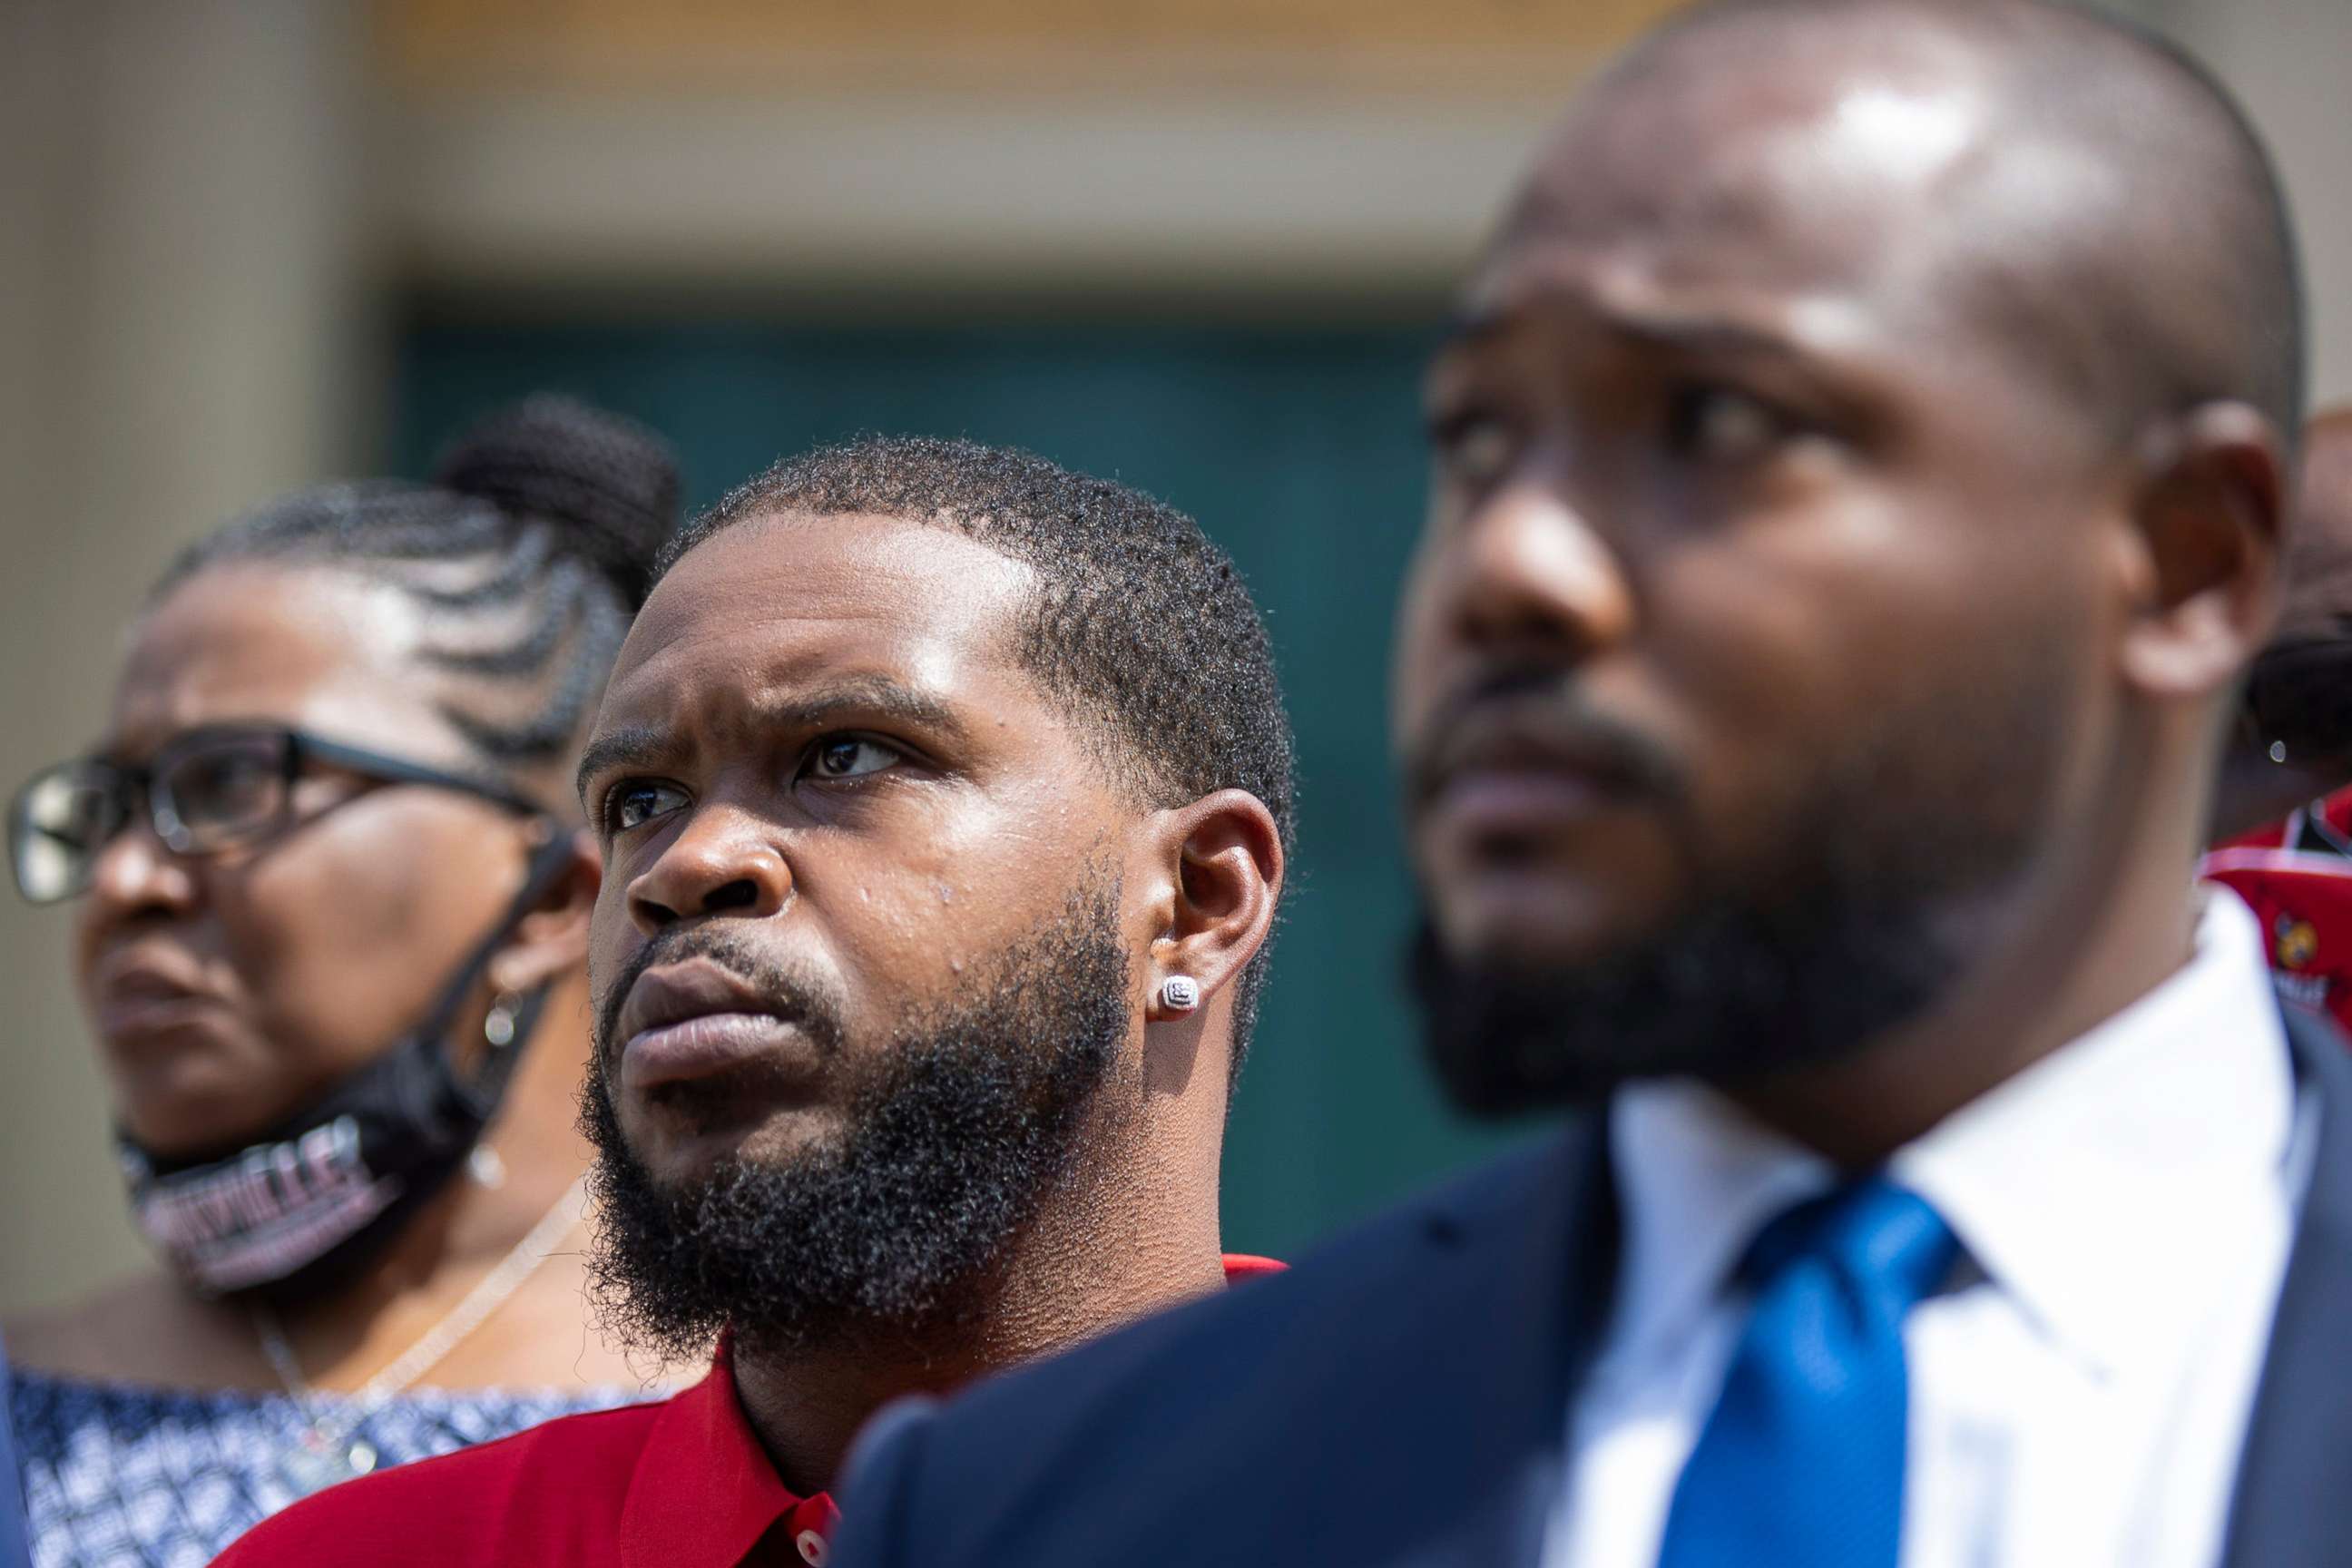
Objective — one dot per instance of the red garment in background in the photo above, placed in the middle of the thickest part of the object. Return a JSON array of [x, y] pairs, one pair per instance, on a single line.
[[2297, 875]]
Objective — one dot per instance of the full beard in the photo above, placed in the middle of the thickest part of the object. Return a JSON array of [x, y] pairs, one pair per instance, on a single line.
[[968, 1123], [1874, 902], [1731, 993]]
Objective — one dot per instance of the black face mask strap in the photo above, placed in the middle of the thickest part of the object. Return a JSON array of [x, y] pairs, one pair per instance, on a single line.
[[484, 1089], [340, 1177]]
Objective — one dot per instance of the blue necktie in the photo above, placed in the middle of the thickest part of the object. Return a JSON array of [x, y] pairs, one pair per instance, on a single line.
[[1801, 1466]]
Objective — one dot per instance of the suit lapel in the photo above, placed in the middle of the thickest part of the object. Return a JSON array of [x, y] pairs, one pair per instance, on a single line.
[[1533, 1269], [1532, 1266], [2290, 1508]]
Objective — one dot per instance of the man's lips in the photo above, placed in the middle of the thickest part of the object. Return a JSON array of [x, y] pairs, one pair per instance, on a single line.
[[1517, 801], [697, 1019], [1515, 771], [703, 1048]]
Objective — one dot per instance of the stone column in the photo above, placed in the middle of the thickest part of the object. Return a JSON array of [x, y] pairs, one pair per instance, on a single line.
[[177, 339]]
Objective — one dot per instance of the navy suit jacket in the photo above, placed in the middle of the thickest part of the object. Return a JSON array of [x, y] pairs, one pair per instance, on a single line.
[[1401, 1397]]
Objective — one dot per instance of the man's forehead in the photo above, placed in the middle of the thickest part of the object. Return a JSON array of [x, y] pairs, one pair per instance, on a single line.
[[791, 599], [1701, 170]]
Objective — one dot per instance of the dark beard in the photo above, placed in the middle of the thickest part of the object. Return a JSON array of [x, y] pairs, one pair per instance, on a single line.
[[1871, 907], [1728, 994], [968, 1120]]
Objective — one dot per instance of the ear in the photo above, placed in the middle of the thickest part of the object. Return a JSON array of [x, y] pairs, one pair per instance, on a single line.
[[1222, 855], [2209, 514], [553, 939]]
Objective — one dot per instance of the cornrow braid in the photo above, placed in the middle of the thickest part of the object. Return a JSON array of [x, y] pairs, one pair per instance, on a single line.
[[530, 551]]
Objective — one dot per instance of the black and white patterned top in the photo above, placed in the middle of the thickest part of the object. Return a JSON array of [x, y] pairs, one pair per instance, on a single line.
[[126, 1476]]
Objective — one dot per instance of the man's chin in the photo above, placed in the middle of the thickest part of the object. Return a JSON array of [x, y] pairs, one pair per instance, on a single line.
[[1534, 922], [802, 1224], [1526, 953], [1722, 996]]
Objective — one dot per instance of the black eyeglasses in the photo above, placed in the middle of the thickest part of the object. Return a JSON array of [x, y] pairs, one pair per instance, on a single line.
[[209, 791]]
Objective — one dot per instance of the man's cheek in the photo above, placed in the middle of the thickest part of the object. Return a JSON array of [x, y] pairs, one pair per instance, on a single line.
[[960, 905], [1744, 789]]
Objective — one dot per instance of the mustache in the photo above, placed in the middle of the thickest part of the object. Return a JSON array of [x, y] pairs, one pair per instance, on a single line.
[[1542, 708], [791, 995]]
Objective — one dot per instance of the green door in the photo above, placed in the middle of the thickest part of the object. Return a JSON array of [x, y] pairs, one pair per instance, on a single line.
[[1297, 449]]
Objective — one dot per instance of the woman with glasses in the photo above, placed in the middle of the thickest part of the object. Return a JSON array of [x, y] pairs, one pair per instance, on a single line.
[[330, 899]]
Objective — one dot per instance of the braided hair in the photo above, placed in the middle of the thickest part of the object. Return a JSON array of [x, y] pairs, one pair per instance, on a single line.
[[530, 551]]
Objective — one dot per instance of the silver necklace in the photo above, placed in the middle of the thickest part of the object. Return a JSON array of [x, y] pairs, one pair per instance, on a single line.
[[328, 1451]]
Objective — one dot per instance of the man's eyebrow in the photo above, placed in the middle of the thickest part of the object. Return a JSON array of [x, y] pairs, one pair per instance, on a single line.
[[865, 697], [1693, 330], [862, 697], [1725, 336], [638, 744]]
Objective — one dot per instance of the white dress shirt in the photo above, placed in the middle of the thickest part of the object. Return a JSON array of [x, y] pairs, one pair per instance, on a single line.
[[2078, 1397]]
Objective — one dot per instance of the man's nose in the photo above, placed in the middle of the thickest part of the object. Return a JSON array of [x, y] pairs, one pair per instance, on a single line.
[[722, 863], [1533, 577]]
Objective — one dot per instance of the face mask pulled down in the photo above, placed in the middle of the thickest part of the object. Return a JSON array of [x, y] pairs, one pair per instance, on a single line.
[[312, 1199]]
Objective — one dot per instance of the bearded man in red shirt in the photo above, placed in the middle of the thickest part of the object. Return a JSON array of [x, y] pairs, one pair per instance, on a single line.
[[943, 797]]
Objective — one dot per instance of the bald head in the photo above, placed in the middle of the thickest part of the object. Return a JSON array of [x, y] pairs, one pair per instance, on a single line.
[[2066, 188]]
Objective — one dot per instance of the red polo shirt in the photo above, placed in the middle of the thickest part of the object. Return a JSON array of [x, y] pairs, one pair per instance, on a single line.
[[680, 1483]]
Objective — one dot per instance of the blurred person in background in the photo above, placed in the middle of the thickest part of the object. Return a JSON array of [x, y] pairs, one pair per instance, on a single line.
[[2292, 746], [2286, 805], [1861, 468], [944, 796], [332, 895]]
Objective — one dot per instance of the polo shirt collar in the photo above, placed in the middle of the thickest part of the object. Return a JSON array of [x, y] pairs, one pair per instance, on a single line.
[[704, 1492]]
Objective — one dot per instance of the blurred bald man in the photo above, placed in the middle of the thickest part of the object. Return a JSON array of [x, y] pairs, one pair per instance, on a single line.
[[1860, 474]]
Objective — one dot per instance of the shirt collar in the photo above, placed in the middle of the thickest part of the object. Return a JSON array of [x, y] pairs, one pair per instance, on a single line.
[[2087, 1187], [1697, 1179], [2106, 1183], [704, 1492]]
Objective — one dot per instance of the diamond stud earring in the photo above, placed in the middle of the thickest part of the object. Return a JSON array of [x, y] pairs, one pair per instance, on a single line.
[[1179, 993], [499, 1026]]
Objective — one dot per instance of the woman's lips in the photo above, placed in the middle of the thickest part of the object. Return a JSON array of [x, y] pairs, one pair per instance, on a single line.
[[704, 1046], [126, 1015], [134, 997]]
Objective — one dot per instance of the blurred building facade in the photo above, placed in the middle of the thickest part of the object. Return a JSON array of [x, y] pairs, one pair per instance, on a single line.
[[252, 243]]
